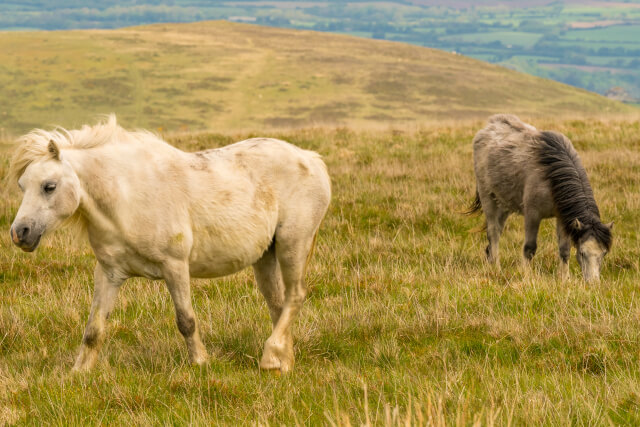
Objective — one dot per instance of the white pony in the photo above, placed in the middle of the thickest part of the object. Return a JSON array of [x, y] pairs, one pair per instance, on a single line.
[[154, 211]]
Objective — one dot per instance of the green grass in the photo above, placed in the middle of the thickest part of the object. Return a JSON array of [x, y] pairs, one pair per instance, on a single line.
[[404, 319], [232, 77]]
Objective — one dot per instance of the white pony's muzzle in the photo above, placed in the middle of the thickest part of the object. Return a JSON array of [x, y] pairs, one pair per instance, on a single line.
[[25, 237]]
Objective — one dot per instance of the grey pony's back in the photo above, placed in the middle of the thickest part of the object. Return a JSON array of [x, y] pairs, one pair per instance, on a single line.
[[513, 122], [500, 127], [506, 126]]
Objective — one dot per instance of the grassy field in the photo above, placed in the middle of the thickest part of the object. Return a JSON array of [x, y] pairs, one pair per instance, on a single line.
[[230, 77], [404, 320]]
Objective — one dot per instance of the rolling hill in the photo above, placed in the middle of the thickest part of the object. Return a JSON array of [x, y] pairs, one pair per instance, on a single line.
[[229, 76]]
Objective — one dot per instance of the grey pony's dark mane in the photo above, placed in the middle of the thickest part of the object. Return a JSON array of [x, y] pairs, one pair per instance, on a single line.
[[570, 189]]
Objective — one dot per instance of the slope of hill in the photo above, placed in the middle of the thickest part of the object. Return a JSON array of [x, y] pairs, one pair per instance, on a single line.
[[226, 76]]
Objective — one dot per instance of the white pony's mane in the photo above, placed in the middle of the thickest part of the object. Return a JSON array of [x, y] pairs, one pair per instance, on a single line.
[[34, 145]]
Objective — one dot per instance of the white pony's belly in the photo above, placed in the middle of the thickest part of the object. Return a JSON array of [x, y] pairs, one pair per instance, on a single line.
[[215, 256], [212, 262]]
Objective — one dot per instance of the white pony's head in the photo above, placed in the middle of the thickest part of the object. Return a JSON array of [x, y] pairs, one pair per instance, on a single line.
[[51, 194], [51, 187]]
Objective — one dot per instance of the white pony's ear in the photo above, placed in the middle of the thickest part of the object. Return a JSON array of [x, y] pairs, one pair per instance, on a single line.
[[577, 224], [54, 150]]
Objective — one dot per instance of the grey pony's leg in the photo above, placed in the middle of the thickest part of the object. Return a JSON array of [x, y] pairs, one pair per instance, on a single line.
[[495, 219], [531, 226], [292, 252], [106, 287], [176, 275], [564, 248], [269, 279]]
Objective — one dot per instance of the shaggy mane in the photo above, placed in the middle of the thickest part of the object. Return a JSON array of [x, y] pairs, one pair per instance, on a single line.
[[570, 189], [33, 146]]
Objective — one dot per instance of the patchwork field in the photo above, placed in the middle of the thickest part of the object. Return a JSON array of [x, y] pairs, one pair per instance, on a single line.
[[404, 321], [232, 77], [569, 33]]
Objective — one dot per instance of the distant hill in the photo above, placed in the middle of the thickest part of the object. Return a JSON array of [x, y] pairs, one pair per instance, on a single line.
[[588, 44], [229, 76]]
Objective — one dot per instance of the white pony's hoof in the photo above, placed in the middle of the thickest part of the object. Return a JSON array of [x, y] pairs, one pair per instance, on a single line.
[[197, 352], [277, 356], [200, 360], [86, 360], [80, 369]]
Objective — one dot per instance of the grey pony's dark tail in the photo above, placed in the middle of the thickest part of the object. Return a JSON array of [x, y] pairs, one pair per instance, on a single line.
[[475, 207]]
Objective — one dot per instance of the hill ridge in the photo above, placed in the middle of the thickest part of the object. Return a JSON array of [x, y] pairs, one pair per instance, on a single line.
[[226, 76]]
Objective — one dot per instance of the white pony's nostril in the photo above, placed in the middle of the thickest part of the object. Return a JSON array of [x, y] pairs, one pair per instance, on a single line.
[[23, 232]]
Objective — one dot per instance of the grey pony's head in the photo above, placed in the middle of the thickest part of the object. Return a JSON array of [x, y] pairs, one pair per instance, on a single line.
[[593, 242]]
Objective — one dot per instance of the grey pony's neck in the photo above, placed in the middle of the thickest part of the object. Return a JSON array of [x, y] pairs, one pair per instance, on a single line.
[[570, 187]]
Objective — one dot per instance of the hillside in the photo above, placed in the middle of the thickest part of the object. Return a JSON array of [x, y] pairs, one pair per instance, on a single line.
[[226, 76]]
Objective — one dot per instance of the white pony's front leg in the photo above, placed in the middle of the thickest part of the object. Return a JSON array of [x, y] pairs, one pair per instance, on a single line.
[[176, 274], [106, 288]]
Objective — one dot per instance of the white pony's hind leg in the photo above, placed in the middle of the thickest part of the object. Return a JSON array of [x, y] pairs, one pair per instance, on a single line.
[[176, 276], [269, 280], [293, 253], [106, 287]]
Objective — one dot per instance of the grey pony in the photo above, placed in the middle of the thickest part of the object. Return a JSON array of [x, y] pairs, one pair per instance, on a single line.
[[537, 174]]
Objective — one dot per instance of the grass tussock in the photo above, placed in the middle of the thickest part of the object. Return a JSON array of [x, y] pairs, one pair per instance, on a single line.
[[404, 324]]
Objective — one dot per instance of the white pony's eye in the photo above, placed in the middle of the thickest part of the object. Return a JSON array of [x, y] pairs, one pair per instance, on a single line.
[[49, 187]]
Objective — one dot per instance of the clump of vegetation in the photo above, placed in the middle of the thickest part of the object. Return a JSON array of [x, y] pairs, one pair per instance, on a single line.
[[404, 321]]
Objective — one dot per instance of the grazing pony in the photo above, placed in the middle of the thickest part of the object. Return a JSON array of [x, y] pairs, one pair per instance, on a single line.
[[537, 174], [154, 211]]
